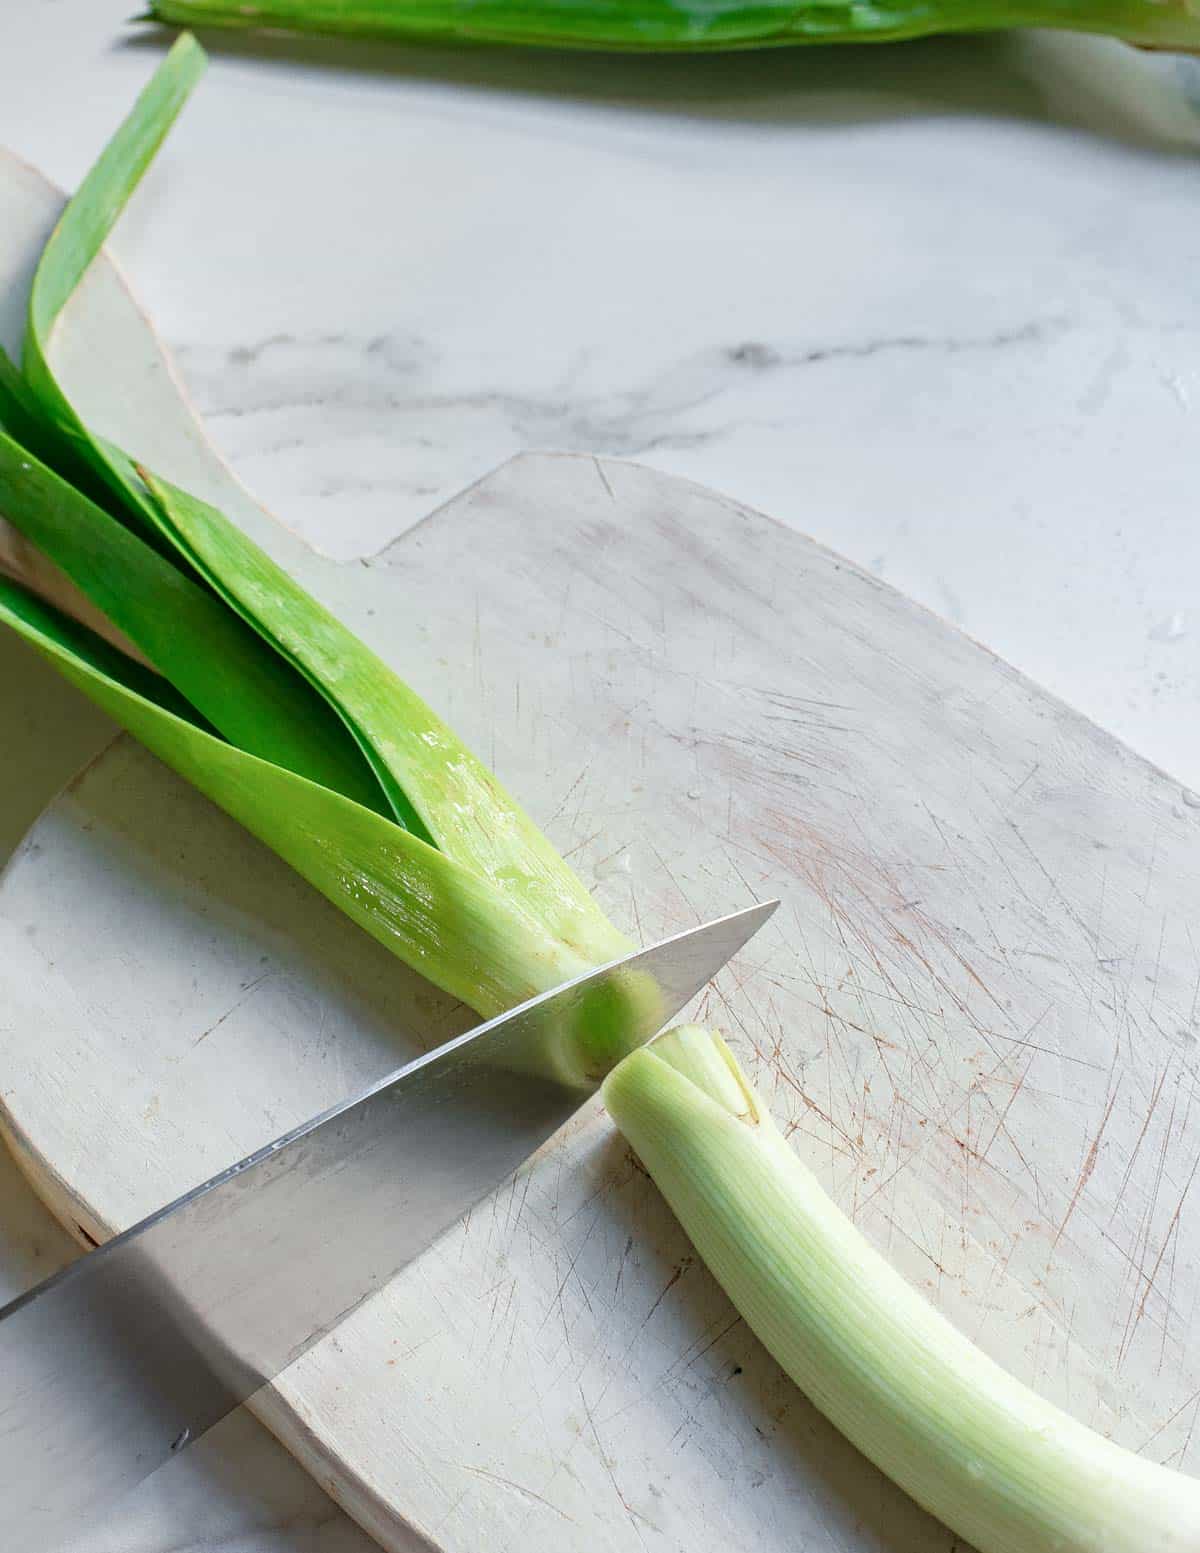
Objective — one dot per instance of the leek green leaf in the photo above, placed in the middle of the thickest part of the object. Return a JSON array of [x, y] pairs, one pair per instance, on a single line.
[[689, 25], [220, 666], [446, 922], [21, 415], [43, 623], [223, 668]]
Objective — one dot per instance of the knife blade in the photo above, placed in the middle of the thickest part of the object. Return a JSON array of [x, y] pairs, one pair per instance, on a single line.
[[121, 1360]]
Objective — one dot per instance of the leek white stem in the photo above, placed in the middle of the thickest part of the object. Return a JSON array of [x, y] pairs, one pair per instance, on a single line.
[[998, 1464]]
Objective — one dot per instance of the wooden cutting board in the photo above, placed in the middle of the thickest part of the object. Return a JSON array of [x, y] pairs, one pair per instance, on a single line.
[[976, 1013]]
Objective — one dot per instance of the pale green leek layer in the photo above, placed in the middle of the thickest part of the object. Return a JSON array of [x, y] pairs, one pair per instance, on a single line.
[[999, 1465]]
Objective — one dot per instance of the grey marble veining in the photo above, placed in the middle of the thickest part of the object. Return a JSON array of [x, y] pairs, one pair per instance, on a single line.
[[334, 407], [329, 376]]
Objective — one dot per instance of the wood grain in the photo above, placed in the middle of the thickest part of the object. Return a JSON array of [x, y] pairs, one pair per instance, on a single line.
[[976, 1012]]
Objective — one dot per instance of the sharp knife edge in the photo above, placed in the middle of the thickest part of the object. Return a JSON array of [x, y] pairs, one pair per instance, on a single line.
[[129, 1354]]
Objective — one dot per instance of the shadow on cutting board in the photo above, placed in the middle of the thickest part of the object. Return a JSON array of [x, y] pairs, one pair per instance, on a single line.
[[238, 1482], [32, 1245], [245, 975], [49, 732]]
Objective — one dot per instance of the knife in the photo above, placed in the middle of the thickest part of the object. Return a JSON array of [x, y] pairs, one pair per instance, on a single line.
[[120, 1361]]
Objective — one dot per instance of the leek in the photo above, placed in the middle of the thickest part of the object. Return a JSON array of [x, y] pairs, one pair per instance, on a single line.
[[648, 25], [1001, 1467], [272, 708]]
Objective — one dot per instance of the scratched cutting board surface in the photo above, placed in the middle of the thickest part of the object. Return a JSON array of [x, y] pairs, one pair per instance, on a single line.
[[976, 1013]]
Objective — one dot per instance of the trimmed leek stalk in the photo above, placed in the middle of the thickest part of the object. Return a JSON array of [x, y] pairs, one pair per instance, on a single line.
[[996, 1463], [694, 25]]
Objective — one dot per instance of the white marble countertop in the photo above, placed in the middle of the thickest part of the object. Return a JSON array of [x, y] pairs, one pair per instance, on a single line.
[[935, 306]]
